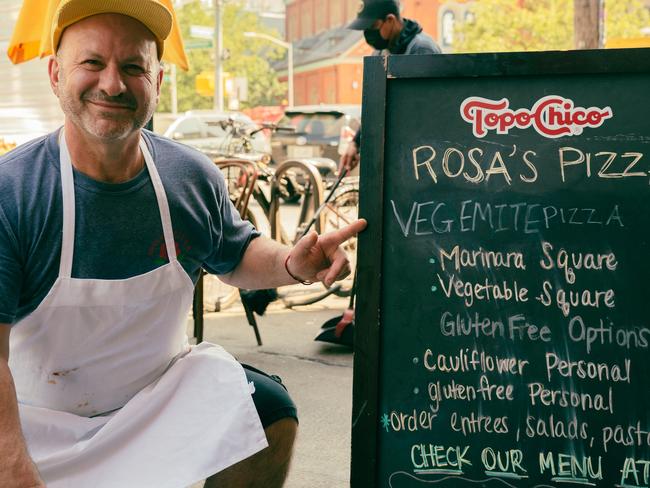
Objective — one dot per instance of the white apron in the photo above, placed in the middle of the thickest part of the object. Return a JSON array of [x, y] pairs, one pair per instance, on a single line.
[[110, 393]]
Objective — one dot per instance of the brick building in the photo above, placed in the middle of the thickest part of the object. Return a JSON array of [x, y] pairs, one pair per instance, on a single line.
[[328, 58]]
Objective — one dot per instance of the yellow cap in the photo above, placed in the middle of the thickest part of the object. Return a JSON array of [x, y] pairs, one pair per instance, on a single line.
[[155, 16]]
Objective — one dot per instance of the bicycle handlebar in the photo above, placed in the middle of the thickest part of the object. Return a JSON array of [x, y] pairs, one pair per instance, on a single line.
[[240, 128]]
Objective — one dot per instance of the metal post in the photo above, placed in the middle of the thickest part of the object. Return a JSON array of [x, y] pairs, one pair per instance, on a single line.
[[197, 309], [174, 89], [290, 72], [218, 66]]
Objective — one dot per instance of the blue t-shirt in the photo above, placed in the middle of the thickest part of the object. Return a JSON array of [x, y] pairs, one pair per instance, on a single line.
[[118, 232]]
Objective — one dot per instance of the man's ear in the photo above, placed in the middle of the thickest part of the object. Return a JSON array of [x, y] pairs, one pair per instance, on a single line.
[[391, 19], [53, 68], [159, 81]]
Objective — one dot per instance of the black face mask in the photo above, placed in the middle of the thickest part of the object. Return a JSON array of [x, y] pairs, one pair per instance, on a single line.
[[373, 37]]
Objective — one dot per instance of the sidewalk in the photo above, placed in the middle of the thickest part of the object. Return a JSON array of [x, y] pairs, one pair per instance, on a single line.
[[318, 376]]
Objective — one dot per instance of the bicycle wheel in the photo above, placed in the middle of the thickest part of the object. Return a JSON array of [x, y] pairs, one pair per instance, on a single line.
[[217, 295], [341, 211]]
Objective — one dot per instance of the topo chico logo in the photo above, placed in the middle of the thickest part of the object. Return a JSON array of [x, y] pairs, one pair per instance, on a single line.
[[552, 116]]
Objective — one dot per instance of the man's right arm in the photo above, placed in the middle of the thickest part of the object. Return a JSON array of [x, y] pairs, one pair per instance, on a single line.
[[16, 467], [350, 159]]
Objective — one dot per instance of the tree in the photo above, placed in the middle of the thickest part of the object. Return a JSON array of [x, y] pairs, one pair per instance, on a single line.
[[625, 19], [540, 25], [248, 58], [586, 24]]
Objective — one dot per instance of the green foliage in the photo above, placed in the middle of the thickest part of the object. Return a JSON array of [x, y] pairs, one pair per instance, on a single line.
[[249, 58], [625, 19], [540, 25]]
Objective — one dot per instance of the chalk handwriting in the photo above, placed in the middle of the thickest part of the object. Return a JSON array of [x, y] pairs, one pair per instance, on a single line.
[[636, 471], [552, 427], [470, 165], [539, 394], [413, 421], [570, 468], [625, 435], [498, 462], [609, 162], [601, 334], [477, 165], [587, 370], [517, 327], [473, 360], [460, 258], [567, 300], [453, 390], [569, 262], [436, 217], [476, 423], [424, 456], [484, 291]]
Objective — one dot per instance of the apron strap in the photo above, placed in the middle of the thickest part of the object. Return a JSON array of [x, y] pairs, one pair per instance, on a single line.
[[163, 204], [67, 188]]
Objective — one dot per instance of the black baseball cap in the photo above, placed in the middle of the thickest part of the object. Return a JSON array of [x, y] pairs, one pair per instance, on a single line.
[[371, 11]]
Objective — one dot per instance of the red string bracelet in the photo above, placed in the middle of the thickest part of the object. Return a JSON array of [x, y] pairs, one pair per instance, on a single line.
[[286, 267]]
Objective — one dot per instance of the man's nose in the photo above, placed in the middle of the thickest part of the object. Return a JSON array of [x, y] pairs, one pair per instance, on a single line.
[[111, 81]]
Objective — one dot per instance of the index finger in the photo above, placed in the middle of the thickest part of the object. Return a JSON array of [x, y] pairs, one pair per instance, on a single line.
[[344, 233]]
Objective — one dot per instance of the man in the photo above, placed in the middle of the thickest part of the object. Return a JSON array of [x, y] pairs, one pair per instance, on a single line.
[[103, 228], [386, 31]]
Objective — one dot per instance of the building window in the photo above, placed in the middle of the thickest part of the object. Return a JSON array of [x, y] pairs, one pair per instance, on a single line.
[[447, 30]]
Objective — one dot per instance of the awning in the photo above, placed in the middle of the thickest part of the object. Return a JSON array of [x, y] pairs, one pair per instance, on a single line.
[[31, 36]]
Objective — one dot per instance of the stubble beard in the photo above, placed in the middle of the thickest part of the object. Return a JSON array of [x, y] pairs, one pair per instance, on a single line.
[[105, 126]]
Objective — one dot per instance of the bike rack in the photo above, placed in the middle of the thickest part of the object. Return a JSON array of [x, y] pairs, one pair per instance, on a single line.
[[316, 182], [250, 173]]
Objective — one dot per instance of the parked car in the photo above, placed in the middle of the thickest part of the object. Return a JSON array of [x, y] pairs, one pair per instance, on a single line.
[[321, 131], [207, 131]]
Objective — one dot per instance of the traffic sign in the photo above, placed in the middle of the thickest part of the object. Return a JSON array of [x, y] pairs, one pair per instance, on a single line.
[[198, 44], [202, 31]]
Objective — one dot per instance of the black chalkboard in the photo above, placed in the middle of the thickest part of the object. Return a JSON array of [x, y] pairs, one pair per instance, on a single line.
[[503, 317]]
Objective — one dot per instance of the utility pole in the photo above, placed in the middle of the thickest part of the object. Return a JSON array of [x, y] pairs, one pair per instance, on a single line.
[[218, 61], [174, 88], [586, 23]]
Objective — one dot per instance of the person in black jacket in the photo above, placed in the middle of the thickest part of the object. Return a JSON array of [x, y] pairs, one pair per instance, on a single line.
[[389, 33]]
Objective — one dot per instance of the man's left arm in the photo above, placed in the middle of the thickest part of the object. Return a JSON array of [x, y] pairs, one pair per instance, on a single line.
[[268, 264]]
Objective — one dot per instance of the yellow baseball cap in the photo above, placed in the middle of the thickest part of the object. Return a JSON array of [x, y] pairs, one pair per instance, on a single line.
[[154, 15]]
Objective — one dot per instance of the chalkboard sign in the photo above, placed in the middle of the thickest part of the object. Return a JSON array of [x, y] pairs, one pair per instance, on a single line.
[[503, 317]]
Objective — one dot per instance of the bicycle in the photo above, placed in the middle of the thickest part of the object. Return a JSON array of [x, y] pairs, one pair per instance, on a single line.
[[250, 179]]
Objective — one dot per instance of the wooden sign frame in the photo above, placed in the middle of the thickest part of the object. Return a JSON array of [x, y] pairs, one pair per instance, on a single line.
[[379, 73]]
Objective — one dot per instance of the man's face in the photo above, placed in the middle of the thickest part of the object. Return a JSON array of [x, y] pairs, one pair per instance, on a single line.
[[382, 33], [387, 27], [107, 75]]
